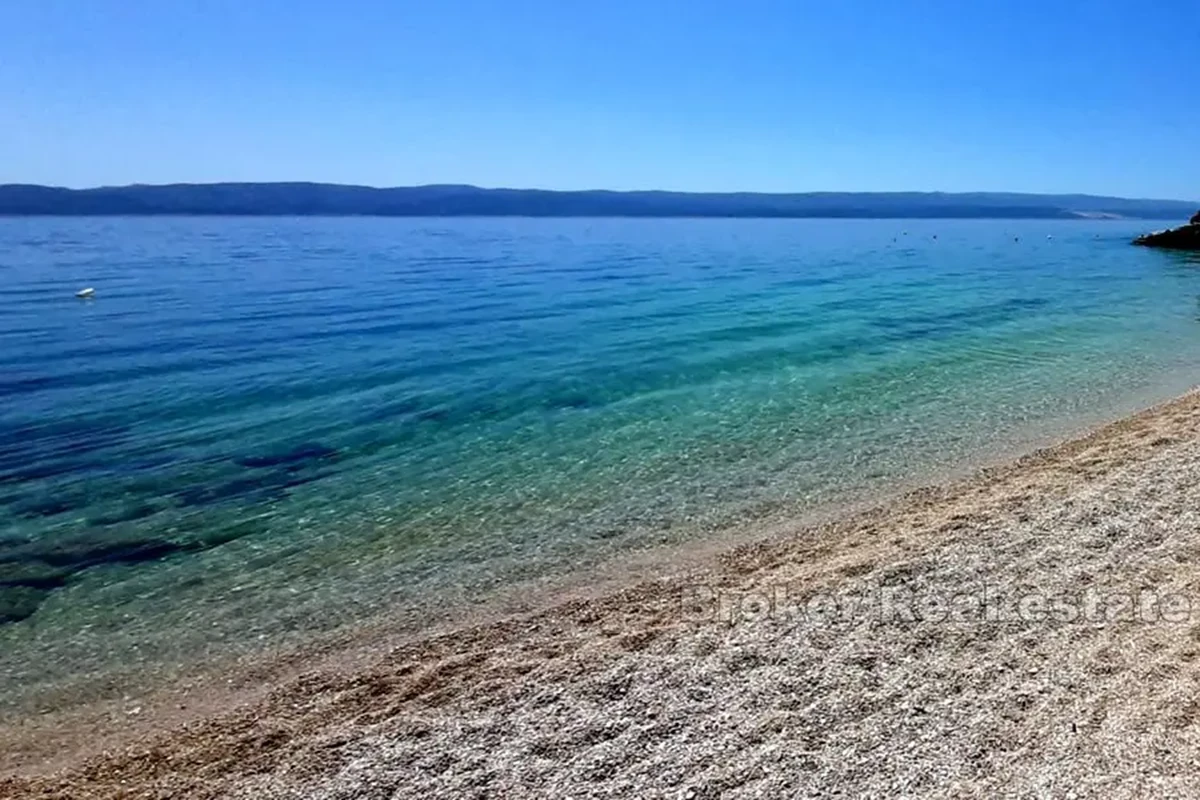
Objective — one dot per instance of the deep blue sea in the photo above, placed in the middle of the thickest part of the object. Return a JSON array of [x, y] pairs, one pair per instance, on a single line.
[[265, 427]]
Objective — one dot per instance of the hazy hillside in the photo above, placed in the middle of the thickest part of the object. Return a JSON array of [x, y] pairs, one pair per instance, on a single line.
[[334, 199]]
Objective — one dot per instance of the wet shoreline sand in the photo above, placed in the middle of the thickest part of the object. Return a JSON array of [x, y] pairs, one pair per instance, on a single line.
[[699, 682]]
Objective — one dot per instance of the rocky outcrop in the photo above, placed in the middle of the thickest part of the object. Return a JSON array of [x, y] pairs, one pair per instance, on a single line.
[[1185, 237]]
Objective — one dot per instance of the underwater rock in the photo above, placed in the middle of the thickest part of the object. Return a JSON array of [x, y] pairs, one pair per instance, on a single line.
[[19, 602], [78, 553], [305, 453], [230, 490], [45, 507], [260, 487], [241, 488], [35, 574], [289, 479], [130, 513], [213, 536], [31, 569]]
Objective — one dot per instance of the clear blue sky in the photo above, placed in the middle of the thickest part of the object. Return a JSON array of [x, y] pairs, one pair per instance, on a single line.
[[1017, 95]]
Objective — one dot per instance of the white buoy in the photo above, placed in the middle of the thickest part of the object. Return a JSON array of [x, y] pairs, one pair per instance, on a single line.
[[88, 292]]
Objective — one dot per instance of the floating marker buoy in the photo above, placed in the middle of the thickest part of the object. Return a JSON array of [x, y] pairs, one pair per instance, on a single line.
[[88, 292]]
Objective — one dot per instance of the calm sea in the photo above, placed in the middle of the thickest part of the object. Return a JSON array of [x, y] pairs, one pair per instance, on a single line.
[[264, 427]]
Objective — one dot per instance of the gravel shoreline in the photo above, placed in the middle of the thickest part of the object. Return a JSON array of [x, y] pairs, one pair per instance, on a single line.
[[1033, 630]]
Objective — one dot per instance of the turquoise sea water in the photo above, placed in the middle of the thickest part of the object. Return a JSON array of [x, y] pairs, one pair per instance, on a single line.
[[262, 427]]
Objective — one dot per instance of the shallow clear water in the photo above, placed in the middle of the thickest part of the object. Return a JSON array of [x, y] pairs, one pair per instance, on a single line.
[[263, 426]]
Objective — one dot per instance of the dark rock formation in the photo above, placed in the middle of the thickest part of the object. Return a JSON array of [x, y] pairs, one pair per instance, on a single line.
[[307, 452], [1185, 237], [262, 487], [32, 573], [80, 552], [128, 513], [271, 475], [44, 507], [19, 602], [31, 569], [214, 536]]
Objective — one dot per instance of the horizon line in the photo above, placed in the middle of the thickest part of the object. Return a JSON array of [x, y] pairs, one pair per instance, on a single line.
[[476, 187]]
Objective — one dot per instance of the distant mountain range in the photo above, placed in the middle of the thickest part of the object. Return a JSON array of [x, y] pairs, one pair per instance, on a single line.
[[266, 199]]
